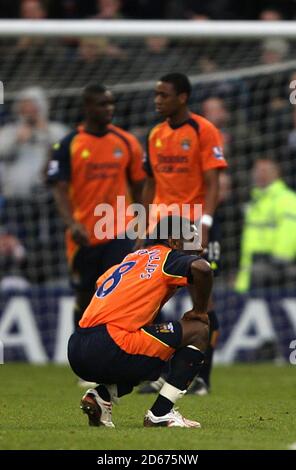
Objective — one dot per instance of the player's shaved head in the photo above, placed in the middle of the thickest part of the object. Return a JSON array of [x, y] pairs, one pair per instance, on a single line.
[[179, 81], [91, 90], [171, 227], [174, 230], [98, 103]]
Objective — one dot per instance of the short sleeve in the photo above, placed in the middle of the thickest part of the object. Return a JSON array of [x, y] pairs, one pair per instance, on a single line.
[[135, 169], [59, 165], [177, 268], [211, 147]]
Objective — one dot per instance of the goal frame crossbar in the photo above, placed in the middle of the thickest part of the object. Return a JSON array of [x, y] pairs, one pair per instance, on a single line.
[[144, 28]]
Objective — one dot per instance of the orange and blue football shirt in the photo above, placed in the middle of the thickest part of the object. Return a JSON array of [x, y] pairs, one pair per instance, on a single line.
[[129, 296], [177, 157], [98, 169]]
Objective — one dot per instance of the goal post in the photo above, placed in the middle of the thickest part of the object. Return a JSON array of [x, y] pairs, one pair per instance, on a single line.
[[144, 28]]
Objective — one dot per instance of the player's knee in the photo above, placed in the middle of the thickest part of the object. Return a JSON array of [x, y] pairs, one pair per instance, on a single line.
[[201, 335], [203, 267]]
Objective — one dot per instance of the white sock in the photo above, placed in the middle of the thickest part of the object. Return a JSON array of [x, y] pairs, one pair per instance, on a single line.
[[171, 393]]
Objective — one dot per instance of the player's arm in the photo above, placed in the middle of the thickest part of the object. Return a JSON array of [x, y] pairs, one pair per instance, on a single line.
[[135, 172], [149, 187], [191, 271], [148, 193], [202, 283], [59, 176], [148, 196], [136, 188], [211, 179], [61, 196], [212, 161]]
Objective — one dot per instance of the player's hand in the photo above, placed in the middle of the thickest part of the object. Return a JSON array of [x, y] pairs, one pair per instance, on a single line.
[[194, 315], [79, 234]]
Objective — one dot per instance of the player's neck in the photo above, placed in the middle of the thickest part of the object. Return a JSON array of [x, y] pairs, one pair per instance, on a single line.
[[95, 128], [179, 118]]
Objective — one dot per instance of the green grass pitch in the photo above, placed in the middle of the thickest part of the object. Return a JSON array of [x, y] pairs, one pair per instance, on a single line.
[[250, 407]]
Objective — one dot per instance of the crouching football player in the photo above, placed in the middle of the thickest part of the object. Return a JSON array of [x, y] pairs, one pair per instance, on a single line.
[[118, 346]]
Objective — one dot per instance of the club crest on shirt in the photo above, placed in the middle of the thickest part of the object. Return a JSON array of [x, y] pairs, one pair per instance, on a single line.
[[186, 144], [117, 152], [218, 153], [165, 328]]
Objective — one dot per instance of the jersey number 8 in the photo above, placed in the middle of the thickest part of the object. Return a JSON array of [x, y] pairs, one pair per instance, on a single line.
[[112, 281]]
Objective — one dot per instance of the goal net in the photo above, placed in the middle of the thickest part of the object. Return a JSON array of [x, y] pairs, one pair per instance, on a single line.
[[241, 84]]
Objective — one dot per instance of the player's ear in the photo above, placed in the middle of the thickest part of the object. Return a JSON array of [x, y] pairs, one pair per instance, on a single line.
[[183, 98], [172, 243], [175, 244]]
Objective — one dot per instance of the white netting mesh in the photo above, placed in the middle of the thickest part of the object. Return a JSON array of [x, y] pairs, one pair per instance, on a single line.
[[240, 85], [235, 84]]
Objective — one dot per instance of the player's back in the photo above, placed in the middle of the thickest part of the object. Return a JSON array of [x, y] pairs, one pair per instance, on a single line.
[[130, 294]]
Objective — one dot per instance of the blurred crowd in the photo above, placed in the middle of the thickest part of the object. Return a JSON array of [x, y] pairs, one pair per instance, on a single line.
[[63, 62], [260, 148], [252, 111], [148, 9]]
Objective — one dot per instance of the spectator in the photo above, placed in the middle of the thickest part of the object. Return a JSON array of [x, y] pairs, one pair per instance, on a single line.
[[268, 95], [12, 262], [24, 143], [271, 14], [215, 111], [108, 9], [31, 10], [274, 50], [268, 248], [12, 258], [92, 49], [229, 219], [94, 57], [24, 146]]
